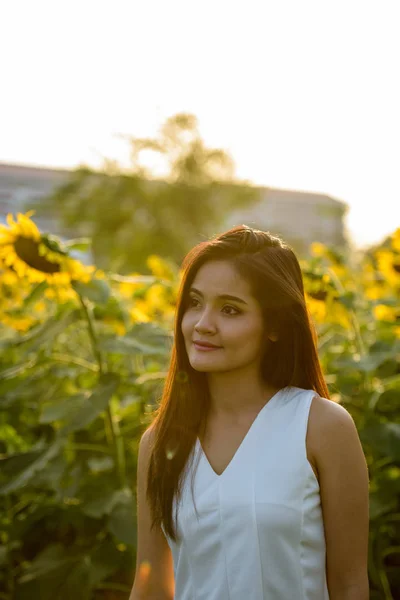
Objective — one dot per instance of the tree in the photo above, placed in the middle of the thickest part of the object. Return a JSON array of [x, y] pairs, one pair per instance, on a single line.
[[131, 214]]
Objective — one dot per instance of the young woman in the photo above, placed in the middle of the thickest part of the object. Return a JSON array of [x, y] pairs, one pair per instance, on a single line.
[[252, 484]]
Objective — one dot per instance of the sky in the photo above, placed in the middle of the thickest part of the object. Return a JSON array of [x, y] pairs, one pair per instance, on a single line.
[[303, 94]]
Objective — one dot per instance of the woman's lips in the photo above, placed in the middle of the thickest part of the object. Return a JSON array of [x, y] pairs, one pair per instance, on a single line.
[[204, 348]]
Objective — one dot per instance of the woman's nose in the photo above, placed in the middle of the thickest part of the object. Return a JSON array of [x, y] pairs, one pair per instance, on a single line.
[[203, 329], [204, 323]]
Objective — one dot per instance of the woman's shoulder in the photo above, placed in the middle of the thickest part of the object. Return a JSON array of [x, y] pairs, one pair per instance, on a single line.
[[325, 411], [327, 422]]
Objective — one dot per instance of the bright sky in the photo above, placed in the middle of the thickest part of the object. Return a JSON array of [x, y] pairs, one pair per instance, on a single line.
[[303, 94]]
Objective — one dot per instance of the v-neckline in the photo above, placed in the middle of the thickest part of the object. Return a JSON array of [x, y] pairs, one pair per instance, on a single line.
[[242, 443]]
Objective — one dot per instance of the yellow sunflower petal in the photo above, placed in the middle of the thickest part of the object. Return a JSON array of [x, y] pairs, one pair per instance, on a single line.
[[4, 229], [10, 259], [318, 249], [10, 220], [396, 240], [61, 278], [28, 227], [384, 313], [6, 237]]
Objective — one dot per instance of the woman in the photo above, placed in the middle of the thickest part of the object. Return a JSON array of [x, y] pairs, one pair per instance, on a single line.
[[277, 506]]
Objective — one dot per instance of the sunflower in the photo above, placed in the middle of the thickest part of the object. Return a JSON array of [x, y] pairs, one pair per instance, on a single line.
[[327, 309], [330, 257], [127, 288], [395, 239], [36, 256], [161, 267], [157, 303], [389, 267], [383, 312], [19, 323]]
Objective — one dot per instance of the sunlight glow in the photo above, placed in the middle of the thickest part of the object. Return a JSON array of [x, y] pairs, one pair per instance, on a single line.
[[303, 95]]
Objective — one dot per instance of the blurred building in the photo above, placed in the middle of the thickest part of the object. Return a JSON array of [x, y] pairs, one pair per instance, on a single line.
[[299, 217], [22, 185]]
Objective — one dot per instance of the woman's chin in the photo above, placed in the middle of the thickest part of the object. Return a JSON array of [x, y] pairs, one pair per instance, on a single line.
[[203, 365]]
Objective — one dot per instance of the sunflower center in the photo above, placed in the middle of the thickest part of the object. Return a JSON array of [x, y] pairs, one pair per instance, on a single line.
[[28, 251]]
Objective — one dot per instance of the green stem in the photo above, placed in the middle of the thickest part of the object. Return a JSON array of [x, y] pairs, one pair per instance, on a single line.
[[354, 320], [383, 579], [356, 329], [11, 580], [92, 335], [90, 447], [120, 450], [74, 360], [111, 423]]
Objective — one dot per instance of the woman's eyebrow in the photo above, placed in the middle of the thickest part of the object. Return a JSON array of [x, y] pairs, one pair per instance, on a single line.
[[222, 296]]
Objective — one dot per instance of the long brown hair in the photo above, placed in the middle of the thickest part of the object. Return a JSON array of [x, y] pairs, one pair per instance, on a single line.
[[274, 274]]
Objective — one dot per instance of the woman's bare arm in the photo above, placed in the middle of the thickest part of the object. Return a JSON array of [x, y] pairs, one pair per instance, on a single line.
[[344, 485], [154, 577]]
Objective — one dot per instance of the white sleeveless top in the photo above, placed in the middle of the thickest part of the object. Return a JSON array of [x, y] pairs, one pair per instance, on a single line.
[[258, 533]]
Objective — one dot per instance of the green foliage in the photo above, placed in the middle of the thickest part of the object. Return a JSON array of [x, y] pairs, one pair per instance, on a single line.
[[77, 396], [68, 448]]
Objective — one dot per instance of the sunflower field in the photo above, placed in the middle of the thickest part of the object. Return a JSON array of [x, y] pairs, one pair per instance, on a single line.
[[83, 359]]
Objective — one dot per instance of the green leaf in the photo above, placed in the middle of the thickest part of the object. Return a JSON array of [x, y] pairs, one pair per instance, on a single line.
[[150, 332], [25, 476], [384, 438], [122, 522], [63, 409], [96, 290], [54, 243], [12, 372], [389, 401], [392, 382], [313, 274], [99, 464], [35, 294], [9, 386], [387, 368], [367, 363], [150, 377], [101, 504], [77, 583], [113, 308], [106, 560], [51, 558], [11, 465], [128, 345], [50, 477], [57, 574], [380, 505], [11, 439], [80, 244], [48, 331], [94, 405], [347, 300]]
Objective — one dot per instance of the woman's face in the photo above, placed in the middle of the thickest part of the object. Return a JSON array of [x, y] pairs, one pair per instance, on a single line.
[[235, 325]]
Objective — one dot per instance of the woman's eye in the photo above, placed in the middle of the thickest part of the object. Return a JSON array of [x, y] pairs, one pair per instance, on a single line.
[[236, 311]]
